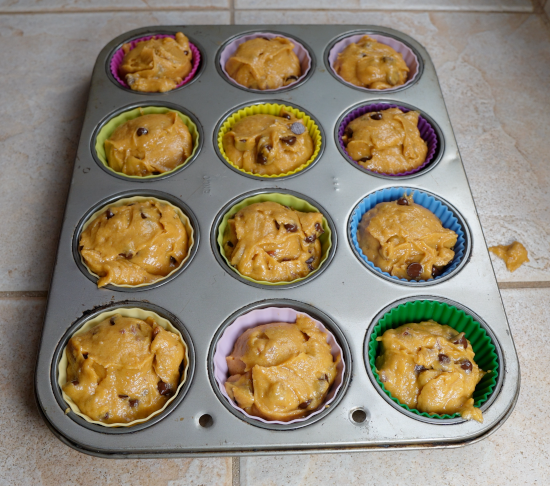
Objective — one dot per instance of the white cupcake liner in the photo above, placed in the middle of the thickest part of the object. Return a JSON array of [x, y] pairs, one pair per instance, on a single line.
[[265, 316], [300, 51], [408, 56]]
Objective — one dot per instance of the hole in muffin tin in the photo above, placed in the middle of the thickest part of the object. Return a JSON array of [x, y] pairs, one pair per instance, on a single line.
[[462, 248], [436, 158], [87, 316], [206, 421], [147, 33], [317, 314], [279, 285], [358, 416], [468, 312], [258, 177], [368, 31], [128, 194], [232, 82], [152, 178]]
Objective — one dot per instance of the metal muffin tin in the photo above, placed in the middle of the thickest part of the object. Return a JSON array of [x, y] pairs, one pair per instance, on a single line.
[[205, 296]]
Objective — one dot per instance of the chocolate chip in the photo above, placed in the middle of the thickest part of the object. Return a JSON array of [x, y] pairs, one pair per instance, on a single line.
[[292, 78], [128, 255], [310, 260], [305, 404], [163, 388], [155, 172], [261, 159], [325, 377], [75, 383], [406, 333], [277, 225], [466, 365], [268, 147], [462, 341], [403, 201], [414, 270], [291, 228], [436, 272], [106, 417], [319, 228], [85, 355], [348, 132], [365, 159], [185, 53], [230, 244], [290, 140], [419, 368], [310, 267], [124, 397], [142, 131], [311, 238], [387, 59], [143, 216], [297, 128], [109, 214], [112, 321], [272, 253], [133, 402], [81, 247], [286, 115], [376, 116], [173, 261], [443, 359], [123, 331], [156, 330]]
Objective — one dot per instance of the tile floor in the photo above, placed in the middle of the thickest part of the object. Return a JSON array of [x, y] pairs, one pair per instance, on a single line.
[[493, 61]]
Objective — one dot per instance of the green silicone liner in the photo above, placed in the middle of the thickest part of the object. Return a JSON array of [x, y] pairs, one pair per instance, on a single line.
[[286, 200], [421, 310], [109, 127]]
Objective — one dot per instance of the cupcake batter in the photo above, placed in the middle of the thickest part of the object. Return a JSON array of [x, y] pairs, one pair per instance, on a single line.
[[134, 244], [281, 371], [405, 239], [268, 144], [263, 63], [430, 367], [270, 242], [149, 145], [387, 141], [372, 65], [514, 255], [158, 64], [123, 369]]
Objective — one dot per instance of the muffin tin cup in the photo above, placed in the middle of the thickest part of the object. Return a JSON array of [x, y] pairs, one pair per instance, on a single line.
[[450, 218], [302, 52], [288, 198], [108, 126], [412, 60], [140, 310], [488, 355], [230, 119], [264, 313], [425, 128], [118, 57], [185, 214]]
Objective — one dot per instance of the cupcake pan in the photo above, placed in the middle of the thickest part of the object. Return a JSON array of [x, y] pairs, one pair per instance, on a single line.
[[205, 296]]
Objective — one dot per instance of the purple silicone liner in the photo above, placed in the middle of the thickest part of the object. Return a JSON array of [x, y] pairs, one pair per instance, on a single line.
[[265, 316], [426, 132], [118, 56], [299, 50], [408, 56]]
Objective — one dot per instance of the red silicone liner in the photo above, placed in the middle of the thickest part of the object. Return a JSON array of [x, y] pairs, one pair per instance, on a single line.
[[118, 56]]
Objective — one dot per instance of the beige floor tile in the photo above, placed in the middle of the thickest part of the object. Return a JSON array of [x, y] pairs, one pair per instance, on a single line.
[[518, 453], [48, 60], [30, 455], [91, 5]]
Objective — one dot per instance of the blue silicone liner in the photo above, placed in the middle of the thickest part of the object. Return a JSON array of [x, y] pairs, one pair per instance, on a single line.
[[447, 218]]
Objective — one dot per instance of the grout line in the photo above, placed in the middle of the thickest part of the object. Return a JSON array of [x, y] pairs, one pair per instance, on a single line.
[[18, 294], [524, 285], [114, 10], [235, 471], [232, 12], [397, 10]]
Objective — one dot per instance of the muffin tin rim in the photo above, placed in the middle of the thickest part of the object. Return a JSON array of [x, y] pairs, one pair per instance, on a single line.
[[78, 323], [483, 324], [298, 306], [175, 201]]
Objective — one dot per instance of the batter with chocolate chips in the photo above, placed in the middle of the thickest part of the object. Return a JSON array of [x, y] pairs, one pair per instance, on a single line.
[[262, 63], [387, 141], [123, 369], [372, 65], [406, 240], [133, 244], [431, 368], [281, 371], [270, 242], [149, 145], [268, 144], [158, 64]]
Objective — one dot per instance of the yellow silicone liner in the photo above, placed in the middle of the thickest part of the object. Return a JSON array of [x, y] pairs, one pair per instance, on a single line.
[[127, 200], [271, 109], [108, 129], [286, 200], [131, 312]]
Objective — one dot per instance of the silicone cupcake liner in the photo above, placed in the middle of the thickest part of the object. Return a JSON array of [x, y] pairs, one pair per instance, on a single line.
[[438, 208], [300, 51], [118, 57], [421, 310], [110, 126], [265, 316], [271, 109], [125, 312], [127, 200], [408, 56], [426, 132]]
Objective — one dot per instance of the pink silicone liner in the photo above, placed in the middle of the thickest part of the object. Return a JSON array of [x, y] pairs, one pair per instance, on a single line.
[[300, 51], [265, 316], [118, 56], [408, 56]]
